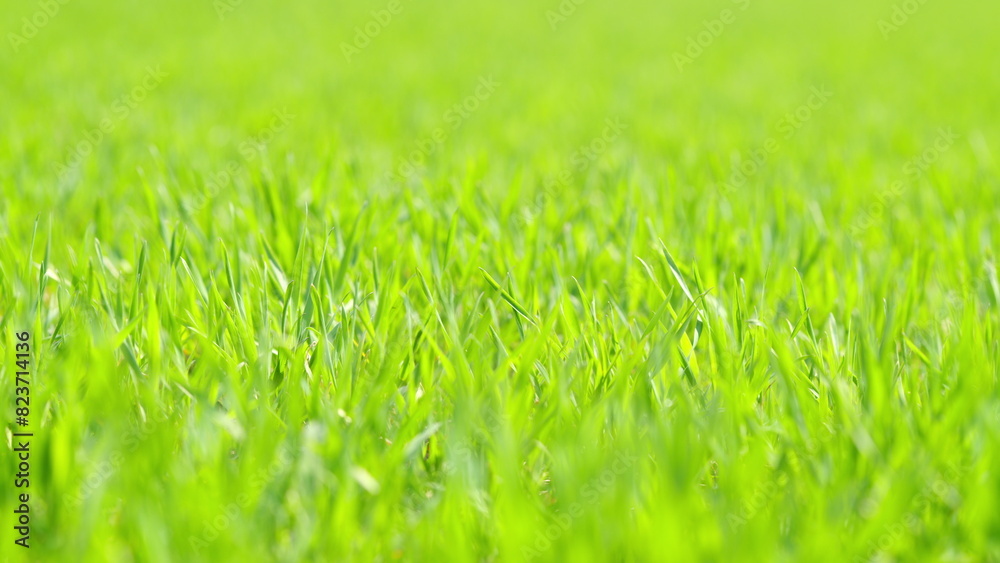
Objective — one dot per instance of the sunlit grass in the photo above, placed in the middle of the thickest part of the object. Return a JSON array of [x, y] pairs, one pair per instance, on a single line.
[[493, 288]]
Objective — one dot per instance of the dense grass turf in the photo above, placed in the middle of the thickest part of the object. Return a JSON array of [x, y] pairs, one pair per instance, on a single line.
[[502, 281]]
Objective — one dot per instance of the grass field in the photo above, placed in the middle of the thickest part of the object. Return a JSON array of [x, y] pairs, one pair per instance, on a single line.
[[501, 281]]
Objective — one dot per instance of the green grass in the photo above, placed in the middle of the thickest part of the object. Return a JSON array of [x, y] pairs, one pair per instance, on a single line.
[[494, 287]]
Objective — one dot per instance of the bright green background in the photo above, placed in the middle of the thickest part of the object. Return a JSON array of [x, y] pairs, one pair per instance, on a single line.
[[316, 363]]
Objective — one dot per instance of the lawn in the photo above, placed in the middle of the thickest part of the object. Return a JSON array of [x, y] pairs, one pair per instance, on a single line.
[[570, 280]]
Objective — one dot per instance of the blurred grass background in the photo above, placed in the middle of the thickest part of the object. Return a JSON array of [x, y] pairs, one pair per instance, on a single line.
[[767, 438]]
